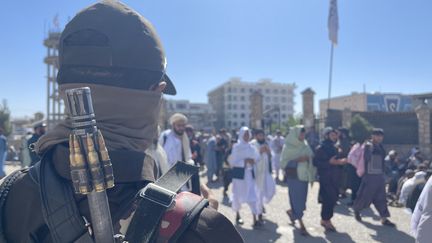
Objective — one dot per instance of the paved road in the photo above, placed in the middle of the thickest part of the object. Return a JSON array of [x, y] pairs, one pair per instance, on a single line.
[[277, 227]]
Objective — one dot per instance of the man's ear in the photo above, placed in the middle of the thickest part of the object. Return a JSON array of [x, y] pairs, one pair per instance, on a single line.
[[160, 87]]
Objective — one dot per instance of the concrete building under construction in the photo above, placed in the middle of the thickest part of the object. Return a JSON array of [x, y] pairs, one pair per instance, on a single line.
[[55, 105]]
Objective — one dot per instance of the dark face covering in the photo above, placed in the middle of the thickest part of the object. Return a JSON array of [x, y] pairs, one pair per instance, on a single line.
[[125, 126]]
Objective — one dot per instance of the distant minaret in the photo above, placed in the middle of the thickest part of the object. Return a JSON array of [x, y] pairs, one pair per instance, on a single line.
[[308, 108], [256, 110], [55, 105]]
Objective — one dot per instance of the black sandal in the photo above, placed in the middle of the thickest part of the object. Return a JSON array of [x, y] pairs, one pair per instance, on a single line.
[[388, 223], [239, 220], [257, 224], [304, 232], [261, 218], [291, 217], [357, 216], [328, 228]]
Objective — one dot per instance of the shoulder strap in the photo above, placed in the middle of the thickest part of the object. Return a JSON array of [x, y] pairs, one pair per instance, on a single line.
[[64, 221], [175, 221], [4, 191], [59, 208], [154, 200]]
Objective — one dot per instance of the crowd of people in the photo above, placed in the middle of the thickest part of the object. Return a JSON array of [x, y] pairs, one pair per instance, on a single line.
[[37, 203], [25, 153], [252, 162]]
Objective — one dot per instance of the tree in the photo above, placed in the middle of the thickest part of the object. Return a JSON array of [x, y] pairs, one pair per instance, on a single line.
[[294, 120], [5, 118], [360, 128], [285, 126]]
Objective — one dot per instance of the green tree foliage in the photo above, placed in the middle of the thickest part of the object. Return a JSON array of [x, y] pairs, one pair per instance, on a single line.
[[360, 128], [285, 126], [5, 118], [294, 120]]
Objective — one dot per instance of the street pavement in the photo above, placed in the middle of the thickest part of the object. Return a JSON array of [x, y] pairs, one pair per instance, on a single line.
[[277, 226]]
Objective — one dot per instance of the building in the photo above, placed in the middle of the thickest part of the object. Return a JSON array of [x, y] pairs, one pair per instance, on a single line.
[[406, 119], [308, 97], [422, 99], [200, 115], [384, 102], [232, 102]]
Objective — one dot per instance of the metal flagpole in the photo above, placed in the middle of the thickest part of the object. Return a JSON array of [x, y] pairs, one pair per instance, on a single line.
[[333, 26], [330, 75]]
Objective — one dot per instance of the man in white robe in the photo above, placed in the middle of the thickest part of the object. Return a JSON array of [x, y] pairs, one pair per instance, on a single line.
[[244, 189], [266, 186], [158, 154], [175, 141], [409, 186], [421, 221], [177, 146]]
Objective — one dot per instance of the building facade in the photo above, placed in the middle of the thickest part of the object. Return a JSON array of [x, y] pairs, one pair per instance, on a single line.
[[232, 102], [200, 115], [424, 99], [308, 97], [383, 102]]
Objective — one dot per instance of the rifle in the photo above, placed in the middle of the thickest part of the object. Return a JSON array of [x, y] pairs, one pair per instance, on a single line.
[[91, 169]]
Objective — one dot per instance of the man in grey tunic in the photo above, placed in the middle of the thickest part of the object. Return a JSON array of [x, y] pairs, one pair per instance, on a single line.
[[210, 158], [372, 187]]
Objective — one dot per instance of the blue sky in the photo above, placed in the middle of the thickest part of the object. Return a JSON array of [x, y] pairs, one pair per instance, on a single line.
[[384, 45]]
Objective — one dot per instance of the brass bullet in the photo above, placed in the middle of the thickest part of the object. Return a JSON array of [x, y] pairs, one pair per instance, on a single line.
[[106, 161], [79, 174], [98, 177]]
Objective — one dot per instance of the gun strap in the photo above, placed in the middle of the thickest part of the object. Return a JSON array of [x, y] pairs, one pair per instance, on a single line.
[[154, 200], [59, 208], [5, 186]]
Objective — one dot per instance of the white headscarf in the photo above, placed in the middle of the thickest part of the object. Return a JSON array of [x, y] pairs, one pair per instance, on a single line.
[[242, 132], [243, 150]]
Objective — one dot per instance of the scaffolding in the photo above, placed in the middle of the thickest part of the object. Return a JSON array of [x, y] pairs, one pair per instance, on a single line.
[[55, 105]]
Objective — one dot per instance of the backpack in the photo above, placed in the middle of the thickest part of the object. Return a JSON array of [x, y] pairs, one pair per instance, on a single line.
[[161, 214], [356, 158]]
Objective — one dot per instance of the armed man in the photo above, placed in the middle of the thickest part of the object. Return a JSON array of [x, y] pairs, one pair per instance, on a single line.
[[114, 51]]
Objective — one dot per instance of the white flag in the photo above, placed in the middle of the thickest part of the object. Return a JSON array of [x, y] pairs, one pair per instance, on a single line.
[[333, 22], [56, 22]]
